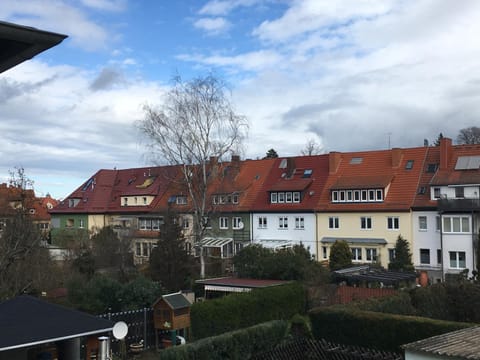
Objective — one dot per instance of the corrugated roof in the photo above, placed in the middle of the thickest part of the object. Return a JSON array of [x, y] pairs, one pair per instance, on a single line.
[[460, 344]]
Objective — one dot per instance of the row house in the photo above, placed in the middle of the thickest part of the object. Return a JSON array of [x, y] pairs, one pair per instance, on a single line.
[[284, 213], [367, 202], [427, 195], [126, 200]]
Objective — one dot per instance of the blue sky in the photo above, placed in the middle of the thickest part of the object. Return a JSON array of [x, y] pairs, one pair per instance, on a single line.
[[351, 75]]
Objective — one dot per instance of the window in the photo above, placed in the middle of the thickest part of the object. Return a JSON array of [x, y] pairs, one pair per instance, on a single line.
[[223, 223], [125, 201], [81, 223], [438, 223], [307, 173], [262, 222], [391, 255], [364, 195], [456, 224], [393, 223], [379, 195], [296, 196], [283, 222], [431, 168], [149, 224], [235, 198], [185, 222], [457, 259], [324, 252], [333, 222], [145, 249], [421, 190], [273, 198], [207, 222], [144, 201], [237, 223], [70, 223], [371, 195], [281, 197], [357, 254], [422, 223], [299, 223], [288, 197], [138, 249], [439, 256], [356, 195], [459, 192], [371, 254], [41, 226], [409, 165], [436, 193], [215, 199], [334, 196], [365, 222], [424, 256], [181, 200]]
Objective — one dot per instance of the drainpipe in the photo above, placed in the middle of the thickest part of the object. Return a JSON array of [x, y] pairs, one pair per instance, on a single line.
[[441, 247]]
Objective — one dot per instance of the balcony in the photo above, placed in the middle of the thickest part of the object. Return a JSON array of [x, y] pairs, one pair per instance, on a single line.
[[459, 205]]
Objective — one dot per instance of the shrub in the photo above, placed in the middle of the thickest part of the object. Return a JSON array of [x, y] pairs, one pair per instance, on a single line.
[[238, 311], [395, 304], [375, 330], [239, 344]]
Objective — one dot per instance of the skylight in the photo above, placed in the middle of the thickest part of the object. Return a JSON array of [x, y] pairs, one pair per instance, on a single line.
[[431, 168], [307, 173], [356, 160], [409, 165]]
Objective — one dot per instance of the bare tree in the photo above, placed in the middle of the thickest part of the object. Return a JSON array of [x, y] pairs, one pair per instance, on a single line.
[[24, 263], [311, 148], [469, 136], [195, 123]]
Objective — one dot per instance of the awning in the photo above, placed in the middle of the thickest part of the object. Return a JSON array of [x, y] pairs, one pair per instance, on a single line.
[[215, 242], [275, 244], [377, 241]]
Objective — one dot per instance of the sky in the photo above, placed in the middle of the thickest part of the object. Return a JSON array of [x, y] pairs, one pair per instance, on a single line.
[[351, 75]]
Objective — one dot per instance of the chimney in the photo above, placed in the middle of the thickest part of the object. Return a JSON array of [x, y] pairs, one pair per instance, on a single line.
[[396, 157], [334, 159], [213, 160], [290, 166], [445, 152], [235, 159]]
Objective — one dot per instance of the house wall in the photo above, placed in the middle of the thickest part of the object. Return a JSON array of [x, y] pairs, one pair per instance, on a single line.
[[272, 231], [414, 355], [349, 227]]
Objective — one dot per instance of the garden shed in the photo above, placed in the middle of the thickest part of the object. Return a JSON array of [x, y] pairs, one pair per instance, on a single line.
[[171, 312]]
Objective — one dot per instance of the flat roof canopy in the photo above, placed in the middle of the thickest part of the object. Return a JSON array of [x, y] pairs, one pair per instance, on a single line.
[[28, 321], [20, 43]]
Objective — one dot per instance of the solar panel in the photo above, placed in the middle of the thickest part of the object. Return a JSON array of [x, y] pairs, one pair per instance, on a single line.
[[468, 162]]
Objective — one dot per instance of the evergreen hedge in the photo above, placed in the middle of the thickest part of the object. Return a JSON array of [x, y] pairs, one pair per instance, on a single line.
[[237, 311], [239, 344], [376, 330]]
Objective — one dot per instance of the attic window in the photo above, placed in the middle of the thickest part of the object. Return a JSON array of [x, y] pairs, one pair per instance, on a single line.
[[87, 184], [172, 199], [283, 164], [422, 190], [431, 168], [409, 165], [307, 173], [356, 160]]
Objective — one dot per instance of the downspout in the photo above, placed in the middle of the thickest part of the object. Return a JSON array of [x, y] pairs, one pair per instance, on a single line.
[[441, 247], [316, 236]]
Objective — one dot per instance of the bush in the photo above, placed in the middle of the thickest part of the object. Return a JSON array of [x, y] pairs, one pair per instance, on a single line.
[[239, 344], [236, 311], [395, 304], [376, 330]]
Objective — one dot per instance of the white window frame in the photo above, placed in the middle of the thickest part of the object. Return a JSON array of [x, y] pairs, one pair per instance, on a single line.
[[333, 222], [262, 222], [185, 222], [296, 196], [393, 223], [335, 196], [366, 223], [422, 223], [281, 197], [356, 253], [456, 222], [181, 200], [273, 198], [371, 254], [236, 221], [223, 222], [456, 262], [299, 223], [283, 222], [235, 198], [288, 197], [81, 223]]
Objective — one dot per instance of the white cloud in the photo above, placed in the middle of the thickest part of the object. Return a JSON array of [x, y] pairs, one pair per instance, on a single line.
[[212, 25], [107, 5], [224, 7]]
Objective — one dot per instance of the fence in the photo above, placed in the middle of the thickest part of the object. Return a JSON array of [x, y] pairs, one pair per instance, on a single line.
[[140, 327]]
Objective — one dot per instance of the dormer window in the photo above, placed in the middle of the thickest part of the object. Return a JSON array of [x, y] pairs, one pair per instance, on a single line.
[[181, 200], [282, 197], [364, 195]]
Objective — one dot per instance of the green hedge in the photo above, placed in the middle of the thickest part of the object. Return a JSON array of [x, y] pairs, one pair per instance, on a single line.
[[239, 344], [237, 311], [376, 330]]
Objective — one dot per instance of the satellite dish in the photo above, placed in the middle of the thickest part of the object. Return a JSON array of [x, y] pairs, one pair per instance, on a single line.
[[120, 330], [241, 225]]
